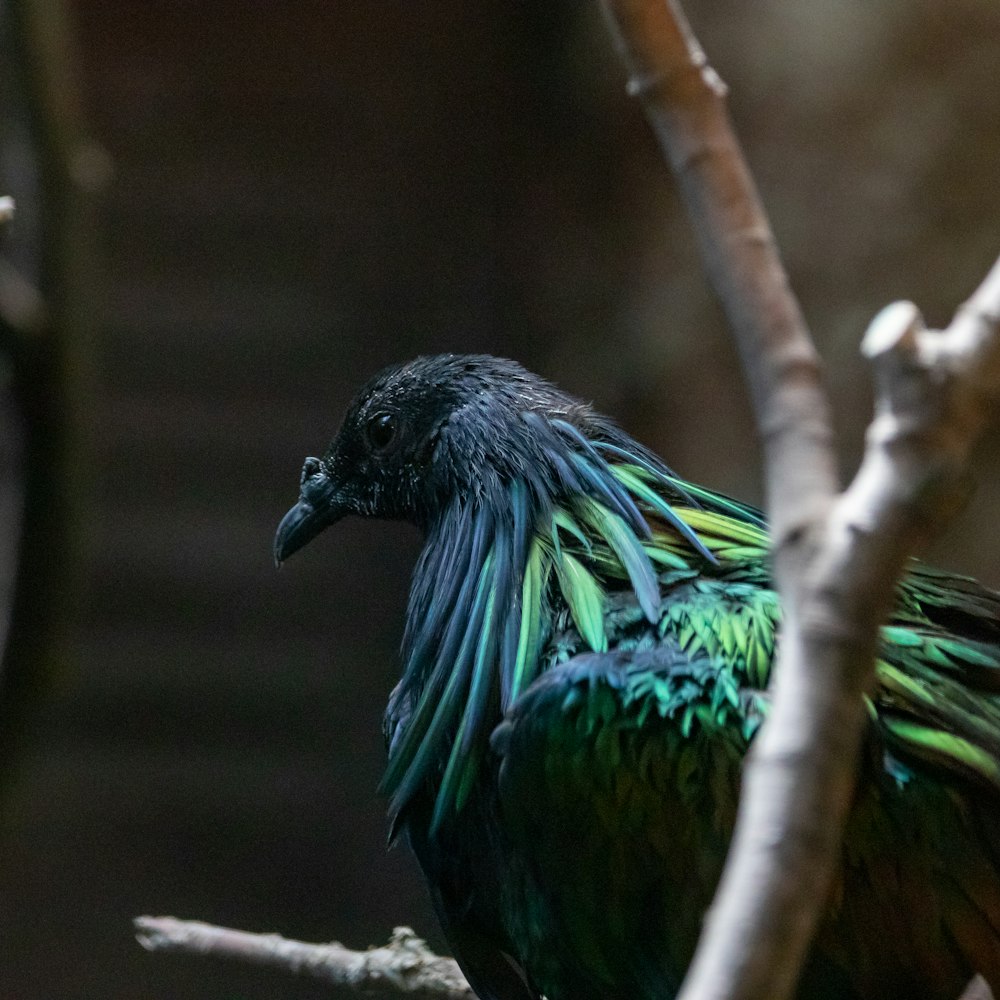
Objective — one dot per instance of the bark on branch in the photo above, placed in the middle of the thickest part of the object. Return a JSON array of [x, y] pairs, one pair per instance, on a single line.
[[404, 965], [836, 557], [684, 100]]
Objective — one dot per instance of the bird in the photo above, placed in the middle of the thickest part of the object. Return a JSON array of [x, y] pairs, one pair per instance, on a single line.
[[586, 655]]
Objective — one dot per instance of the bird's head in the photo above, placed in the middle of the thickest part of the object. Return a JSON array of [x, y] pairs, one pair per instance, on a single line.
[[421, 434]]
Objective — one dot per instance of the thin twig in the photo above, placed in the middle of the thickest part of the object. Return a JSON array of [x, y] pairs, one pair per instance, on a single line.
[[404, 965], [836, 559]]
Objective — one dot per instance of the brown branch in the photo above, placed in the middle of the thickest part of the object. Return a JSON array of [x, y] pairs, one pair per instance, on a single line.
[[836, 559], [684, 100], [404, 965]]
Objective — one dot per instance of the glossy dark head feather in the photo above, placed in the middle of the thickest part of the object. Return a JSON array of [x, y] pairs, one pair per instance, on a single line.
[[423, 433]]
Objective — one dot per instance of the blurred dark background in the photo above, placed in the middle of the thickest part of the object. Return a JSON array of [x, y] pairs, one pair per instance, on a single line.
[[299, 193]]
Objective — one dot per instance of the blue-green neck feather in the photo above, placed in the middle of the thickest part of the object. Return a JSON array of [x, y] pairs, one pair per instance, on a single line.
[[479, 615]]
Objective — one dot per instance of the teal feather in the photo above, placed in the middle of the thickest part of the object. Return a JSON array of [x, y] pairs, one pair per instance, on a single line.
[[536, 572], [464, 758], [600, 480], [630, 553], [417, 768], [562, 519], [945, 748], [434, 670], [639, 488], [512, 654]]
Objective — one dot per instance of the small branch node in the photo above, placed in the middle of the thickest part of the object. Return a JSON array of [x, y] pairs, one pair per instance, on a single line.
[[714, 82], [642, 84], [646, 82], [894, 328]]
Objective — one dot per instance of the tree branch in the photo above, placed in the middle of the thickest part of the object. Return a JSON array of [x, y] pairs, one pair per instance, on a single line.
[[684, 100], [836, 559], [404, 965]]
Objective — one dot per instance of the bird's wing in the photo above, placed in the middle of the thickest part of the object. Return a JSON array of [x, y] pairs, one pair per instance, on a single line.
[[937, 706], [618, 785], [937, 697], [938, 694]]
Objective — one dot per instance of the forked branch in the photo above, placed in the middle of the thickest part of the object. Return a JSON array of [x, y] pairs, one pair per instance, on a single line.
[[836, 557]]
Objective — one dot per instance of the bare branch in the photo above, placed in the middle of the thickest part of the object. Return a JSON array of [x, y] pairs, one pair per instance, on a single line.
[[931, 389], [684, 100], [404, 965], [836, 560]]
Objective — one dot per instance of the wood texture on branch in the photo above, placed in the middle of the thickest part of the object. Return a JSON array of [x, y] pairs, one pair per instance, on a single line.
[[404, 965], [836, 557], [684, 100]]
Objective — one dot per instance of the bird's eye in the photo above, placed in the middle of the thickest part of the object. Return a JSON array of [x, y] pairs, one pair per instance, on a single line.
[[381, 431]]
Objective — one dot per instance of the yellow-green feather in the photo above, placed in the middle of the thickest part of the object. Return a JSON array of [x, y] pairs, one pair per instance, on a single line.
[[585, 598]]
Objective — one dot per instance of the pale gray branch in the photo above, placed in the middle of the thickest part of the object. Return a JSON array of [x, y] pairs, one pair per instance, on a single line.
[[836, 557], [977, 990], [404, 965], [930, 408]]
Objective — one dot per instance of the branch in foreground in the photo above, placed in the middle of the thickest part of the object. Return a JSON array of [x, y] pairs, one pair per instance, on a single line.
[[684, 101], [404, 965], [836, 559]]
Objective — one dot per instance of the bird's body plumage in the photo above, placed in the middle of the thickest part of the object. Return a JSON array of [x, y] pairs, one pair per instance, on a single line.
[[585, 662]]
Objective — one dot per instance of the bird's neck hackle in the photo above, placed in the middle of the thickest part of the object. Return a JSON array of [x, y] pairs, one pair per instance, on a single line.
[[574, 520]]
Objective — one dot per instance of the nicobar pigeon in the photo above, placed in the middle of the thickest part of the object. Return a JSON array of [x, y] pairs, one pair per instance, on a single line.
[[585, 663]]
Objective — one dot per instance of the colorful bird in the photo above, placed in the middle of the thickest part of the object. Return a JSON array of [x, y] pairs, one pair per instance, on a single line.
[[586, 657]]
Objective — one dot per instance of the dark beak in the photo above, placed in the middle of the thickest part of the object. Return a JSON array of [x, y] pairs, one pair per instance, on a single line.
[[318, 507]]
